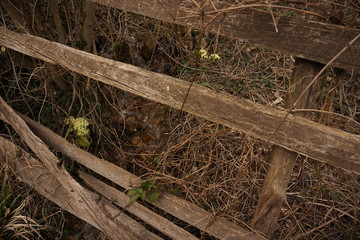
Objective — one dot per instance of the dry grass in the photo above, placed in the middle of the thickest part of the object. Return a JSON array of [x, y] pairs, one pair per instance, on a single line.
[[212, 166], [23, 214]]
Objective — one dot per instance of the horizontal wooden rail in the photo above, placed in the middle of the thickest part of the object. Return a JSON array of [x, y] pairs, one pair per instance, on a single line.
[[333, 146], [311, 40]]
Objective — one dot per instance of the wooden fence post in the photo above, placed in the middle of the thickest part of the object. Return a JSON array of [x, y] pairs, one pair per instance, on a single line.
[[282, 160]]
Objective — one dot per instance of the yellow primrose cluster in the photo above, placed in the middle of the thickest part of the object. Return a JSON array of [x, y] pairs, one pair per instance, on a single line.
[[78, 125], [204, 55]]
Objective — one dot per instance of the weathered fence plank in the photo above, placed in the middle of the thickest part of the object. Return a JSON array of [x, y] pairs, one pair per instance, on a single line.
[[36, 175], [282, 161], [311, 40], [82, 199], [121, 199], [173, 205], [311, 139]]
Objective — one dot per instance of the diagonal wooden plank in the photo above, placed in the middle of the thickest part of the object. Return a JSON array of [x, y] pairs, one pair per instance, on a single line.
[[177, 207], [333, 146], [82, 199], [121, 199], [36, 175], [311, 40]]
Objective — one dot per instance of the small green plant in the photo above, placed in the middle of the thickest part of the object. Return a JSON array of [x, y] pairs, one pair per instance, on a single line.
[[80, 126], [3, 49], [146, 190]]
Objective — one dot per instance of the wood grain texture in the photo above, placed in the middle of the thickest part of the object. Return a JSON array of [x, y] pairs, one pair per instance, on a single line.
[[36, 175], [173, 205], [282, 160], [333, 146], [85, 202], [121, 199], [302, 38]]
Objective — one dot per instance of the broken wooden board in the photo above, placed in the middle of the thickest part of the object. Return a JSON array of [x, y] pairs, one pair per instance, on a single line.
[[33, 173], [171, 204], [311, 40], [121, 199], [333, 146], [73, 197]]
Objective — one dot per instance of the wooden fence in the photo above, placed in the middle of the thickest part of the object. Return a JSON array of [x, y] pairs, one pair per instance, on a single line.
[[311, 40]]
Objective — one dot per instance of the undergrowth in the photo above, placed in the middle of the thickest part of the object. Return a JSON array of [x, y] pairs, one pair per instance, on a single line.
[[210, 165]]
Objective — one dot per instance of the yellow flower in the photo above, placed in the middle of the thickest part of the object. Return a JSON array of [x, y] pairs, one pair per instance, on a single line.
[[203, 53], [78, 125], [215, 56]]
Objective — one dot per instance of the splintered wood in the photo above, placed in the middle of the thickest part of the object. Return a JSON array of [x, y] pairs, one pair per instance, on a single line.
[[76, 197], [171, 204]]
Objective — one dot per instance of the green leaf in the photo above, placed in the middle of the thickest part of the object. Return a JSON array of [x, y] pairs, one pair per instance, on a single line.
[[133, 199], [83, 141], [175, 190], [143, 195], [147, 185], [3, 49], [154, 195], [135, 191]]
